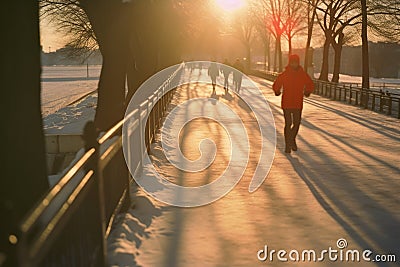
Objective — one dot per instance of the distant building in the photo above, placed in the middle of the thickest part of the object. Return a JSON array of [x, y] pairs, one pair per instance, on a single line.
[[70, 56]]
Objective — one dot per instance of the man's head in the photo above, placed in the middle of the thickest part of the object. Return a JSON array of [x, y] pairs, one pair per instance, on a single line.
[[294, 61]]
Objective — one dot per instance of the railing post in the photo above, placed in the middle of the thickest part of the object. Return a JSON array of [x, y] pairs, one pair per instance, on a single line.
[[327, 89], [334, 91], [148, 126], [398, 108], [142, 141], [90, 138], [356, 98], [373, 102], [366, 98], [390, 106], [350, 95], [154, 117], [159, 108]]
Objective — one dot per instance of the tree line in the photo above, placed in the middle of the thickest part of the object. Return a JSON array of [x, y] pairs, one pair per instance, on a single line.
[[339, 22], [137, 38]]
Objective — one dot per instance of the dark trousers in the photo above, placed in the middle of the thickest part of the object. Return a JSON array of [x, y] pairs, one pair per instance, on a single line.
[[213, 81], [226, 81], [292, 124]]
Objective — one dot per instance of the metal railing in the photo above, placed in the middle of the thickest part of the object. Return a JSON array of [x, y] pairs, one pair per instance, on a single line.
[[375, 100], [71, 223]]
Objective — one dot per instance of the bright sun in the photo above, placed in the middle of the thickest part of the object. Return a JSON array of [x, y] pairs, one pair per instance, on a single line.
[[230, 5]]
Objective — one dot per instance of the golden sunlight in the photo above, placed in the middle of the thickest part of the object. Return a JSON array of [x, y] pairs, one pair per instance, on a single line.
[[230, 5]]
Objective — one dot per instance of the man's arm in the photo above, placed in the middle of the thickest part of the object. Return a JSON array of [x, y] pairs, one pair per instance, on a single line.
[[309, 85], [277, 85]]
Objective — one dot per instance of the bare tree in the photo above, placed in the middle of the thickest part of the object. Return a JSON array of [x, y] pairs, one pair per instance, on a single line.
[[261, 18], [244, 28], [282, 18], [364, 37], [276, 25], [135, 38], [70, 19], [265, 37], [203, 28], [333, 17], [294, 20], [383, 18], [311, 13], [341, 38]]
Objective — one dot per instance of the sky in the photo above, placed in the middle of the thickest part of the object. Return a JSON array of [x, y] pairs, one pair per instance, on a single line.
[[50, 38]]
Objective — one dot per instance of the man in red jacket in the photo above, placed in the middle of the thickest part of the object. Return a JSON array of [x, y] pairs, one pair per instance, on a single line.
[[296, 83]]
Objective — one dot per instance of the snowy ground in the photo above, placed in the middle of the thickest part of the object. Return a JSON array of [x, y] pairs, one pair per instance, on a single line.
[[72, 118], [390, 84], [357, 79], [62, 86], [342, 183]]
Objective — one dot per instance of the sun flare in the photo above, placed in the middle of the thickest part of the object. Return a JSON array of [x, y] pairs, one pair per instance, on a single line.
[[230, 5]]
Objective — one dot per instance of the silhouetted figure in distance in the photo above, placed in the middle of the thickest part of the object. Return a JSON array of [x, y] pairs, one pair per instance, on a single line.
[[226, 71], [237, 75], [213, 72]]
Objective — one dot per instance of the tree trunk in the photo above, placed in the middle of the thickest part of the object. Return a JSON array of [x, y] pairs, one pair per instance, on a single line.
[[338, 56], [150, 35], [269, 53], [309, 36], [108, 20], [111, 88], [23, 166], [290, 44], [265, 56], [248, 56], [365, 53], [266, 42], [276, 54], [280, 54], [325, 58]]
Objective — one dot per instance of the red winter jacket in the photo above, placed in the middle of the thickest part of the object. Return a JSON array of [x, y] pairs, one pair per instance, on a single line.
[[295, 83]]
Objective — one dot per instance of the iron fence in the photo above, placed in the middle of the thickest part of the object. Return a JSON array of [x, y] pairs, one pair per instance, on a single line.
[[70, 225], [373, 99]]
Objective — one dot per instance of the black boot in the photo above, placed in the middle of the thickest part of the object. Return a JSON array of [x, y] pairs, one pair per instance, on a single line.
[[294, 145], [288, 142]]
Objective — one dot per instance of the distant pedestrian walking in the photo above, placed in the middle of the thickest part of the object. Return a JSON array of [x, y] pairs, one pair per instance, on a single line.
[[296, 83], [213, 72], [226, 71], [237, 75]]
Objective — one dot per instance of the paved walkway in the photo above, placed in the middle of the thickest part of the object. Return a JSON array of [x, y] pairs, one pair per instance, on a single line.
[[344, 182]]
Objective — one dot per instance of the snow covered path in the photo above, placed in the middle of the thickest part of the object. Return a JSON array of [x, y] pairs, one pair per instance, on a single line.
[[344, 182]]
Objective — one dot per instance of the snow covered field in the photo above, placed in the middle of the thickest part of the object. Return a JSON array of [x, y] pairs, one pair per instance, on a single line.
[[62, 85], [391, 84], [357, 79]]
